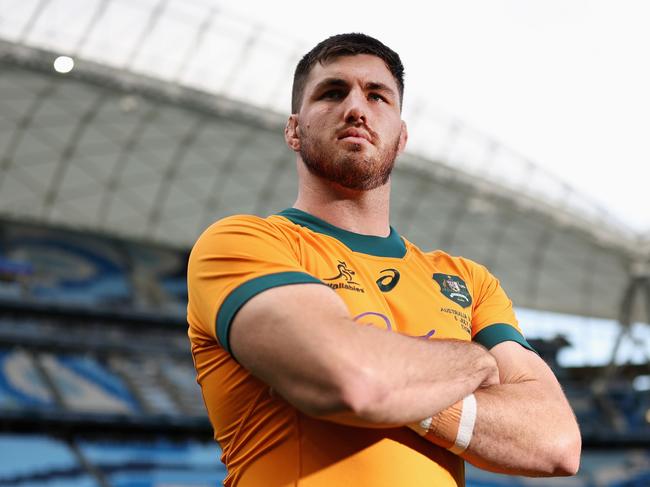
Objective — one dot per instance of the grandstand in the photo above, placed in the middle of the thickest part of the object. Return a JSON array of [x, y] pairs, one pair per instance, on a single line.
[[109, 172]]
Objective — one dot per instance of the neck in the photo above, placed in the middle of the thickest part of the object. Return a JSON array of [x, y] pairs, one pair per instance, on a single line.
[[364, 212]]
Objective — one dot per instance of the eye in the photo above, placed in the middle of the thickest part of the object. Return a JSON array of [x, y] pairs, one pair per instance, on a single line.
[[332, 95], [376, 97]]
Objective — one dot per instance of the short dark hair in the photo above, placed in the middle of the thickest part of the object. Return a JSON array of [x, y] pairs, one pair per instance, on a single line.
[[344, 45]]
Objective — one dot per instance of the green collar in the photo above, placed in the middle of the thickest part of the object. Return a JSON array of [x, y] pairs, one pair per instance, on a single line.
[[391, 246]]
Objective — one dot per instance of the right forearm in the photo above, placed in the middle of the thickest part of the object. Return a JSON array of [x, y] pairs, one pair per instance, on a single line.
[[327, 365], [398, 379]]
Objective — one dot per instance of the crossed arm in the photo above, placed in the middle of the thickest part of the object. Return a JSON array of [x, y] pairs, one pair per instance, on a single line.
[[524, 425], [300, 340]]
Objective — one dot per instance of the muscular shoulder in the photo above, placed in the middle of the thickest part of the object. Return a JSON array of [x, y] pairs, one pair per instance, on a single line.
[[460, 264], [242, 253], [238, 230], [247, 224]]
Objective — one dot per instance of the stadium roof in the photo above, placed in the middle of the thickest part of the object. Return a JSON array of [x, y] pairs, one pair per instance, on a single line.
[[155, 142]]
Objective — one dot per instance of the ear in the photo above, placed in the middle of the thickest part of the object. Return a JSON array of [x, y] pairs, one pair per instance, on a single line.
[[292, 133], [403, 138]]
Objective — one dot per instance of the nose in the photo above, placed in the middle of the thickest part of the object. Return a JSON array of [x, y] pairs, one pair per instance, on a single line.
[[355, 108]]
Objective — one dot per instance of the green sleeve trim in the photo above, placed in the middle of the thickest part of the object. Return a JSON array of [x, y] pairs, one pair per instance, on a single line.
[[500, 332], [241, 294]]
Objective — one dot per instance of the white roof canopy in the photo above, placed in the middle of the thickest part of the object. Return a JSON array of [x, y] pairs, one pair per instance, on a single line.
[[132, 147]]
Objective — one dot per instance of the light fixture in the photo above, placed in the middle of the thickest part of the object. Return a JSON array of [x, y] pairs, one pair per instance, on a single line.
[[63, 64]]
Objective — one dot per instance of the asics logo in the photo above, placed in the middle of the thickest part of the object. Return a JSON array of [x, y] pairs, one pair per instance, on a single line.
[[389, 280]]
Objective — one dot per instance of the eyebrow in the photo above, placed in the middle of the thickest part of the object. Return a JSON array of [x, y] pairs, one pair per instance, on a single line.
[[340, 82], [375, 86], [327, 82]]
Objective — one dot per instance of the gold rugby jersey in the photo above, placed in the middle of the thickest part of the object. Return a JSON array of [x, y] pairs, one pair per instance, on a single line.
[[386, 281]]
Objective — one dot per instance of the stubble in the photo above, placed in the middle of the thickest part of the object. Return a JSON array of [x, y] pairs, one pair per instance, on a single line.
[[348, 166]]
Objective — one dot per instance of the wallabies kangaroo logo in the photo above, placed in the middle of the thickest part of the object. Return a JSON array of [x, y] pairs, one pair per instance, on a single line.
[[344, 273]]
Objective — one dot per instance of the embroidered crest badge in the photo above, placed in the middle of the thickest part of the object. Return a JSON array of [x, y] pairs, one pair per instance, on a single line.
[[454, 288]]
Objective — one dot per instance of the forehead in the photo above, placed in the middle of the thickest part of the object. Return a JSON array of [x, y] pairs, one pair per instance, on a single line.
[[360, 68]]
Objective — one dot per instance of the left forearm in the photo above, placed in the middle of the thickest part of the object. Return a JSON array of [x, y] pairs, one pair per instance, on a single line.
[[523, 429]]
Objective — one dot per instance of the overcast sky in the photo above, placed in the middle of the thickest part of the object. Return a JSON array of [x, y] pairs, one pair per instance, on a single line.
[[564, 82]]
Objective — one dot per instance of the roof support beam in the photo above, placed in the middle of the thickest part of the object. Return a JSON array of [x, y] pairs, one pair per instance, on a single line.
[[152, 22], [115, 182], [33, 18], [83, 123], [173, 166], [265, 194], [222, 176], [24, 126]]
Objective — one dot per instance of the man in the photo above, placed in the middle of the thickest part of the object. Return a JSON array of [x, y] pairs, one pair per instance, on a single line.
[[330, 350]]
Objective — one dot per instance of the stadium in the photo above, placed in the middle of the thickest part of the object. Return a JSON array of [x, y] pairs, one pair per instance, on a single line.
[[112, 167]]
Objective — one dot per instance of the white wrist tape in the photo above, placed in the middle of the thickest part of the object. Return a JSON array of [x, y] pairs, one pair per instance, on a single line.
[[423, 426], [466, 426]]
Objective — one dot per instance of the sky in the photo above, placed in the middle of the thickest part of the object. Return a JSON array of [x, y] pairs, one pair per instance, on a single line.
[[565, 83]]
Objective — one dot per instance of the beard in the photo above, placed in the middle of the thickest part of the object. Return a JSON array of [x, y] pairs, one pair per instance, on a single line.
[[348, 167]]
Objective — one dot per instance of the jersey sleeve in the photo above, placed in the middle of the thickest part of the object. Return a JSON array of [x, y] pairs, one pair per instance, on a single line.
[[234, 260], [493, 318]]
